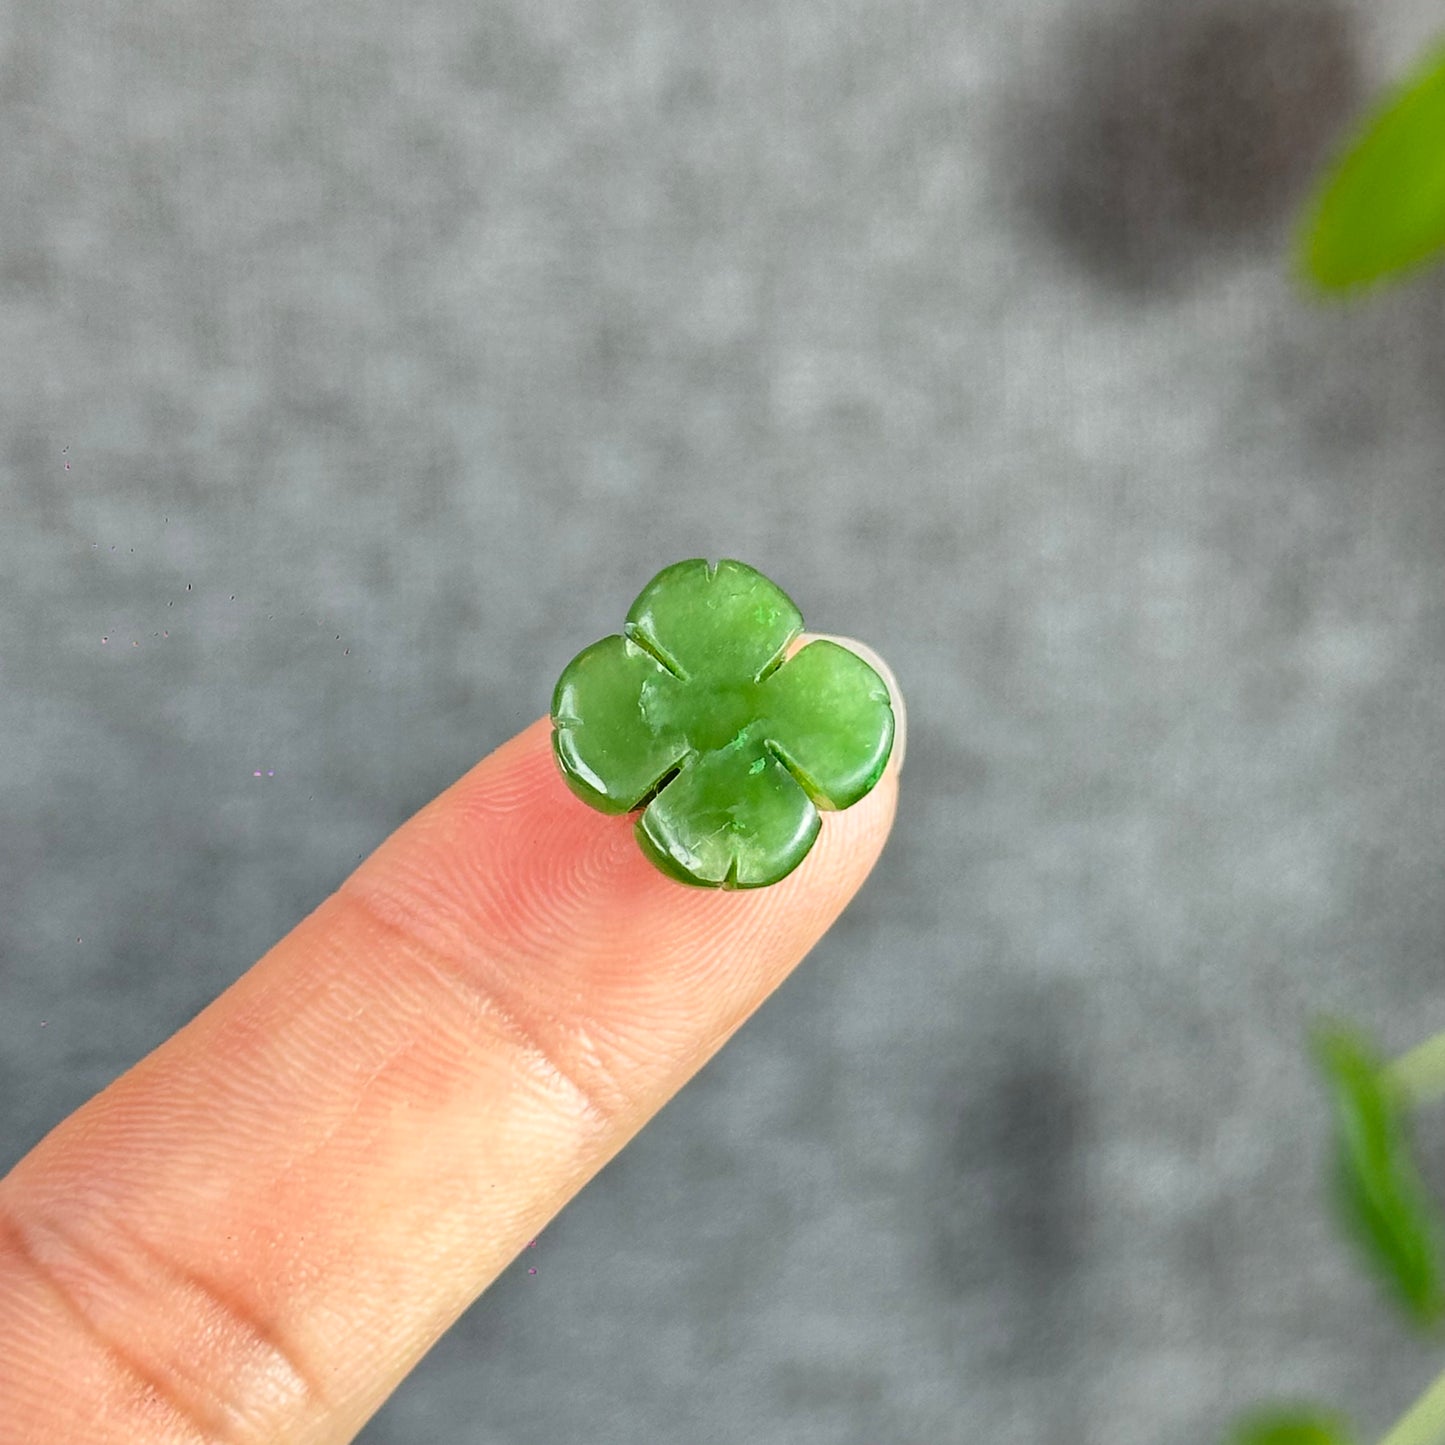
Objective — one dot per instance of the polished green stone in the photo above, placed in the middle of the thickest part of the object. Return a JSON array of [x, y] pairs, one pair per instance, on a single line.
[[692, 716]]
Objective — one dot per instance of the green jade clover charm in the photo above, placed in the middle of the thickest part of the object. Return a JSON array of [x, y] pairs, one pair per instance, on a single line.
[[692, 716]]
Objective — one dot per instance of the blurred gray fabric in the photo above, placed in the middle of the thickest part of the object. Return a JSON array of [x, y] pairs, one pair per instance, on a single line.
[[358, 365]]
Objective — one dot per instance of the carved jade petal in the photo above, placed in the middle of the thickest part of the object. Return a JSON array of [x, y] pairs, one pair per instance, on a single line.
[[729, 821], [724, 623], [829, 719], [614, 728]]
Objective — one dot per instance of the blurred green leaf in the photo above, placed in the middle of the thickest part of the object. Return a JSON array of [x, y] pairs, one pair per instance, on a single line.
[[1300, 1425], [1381, 207], [1381, 1199]]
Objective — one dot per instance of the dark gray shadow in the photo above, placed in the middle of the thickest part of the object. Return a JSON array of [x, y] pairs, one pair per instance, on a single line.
[[1168, 131], [1010, 1203], [1364, 369]]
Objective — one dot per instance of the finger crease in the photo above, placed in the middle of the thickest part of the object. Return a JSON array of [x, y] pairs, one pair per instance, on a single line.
[[212, 1418], [301, 1387], [462, 979], [153, 1387]]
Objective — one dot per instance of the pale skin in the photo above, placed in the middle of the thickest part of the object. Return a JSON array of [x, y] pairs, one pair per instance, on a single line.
[[259, 1229]]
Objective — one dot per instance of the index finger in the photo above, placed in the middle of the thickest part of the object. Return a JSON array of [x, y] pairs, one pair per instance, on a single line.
[[255, 1232]]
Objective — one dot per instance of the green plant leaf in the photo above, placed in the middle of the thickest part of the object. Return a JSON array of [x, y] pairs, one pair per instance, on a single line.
[[1379, 1194], [1295, 1425], [1380, 209]]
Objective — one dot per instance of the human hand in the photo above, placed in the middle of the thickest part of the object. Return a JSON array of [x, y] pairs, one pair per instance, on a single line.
[[261, 1227]]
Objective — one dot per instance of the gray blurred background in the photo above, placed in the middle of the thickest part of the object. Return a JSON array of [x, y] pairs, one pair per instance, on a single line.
[[359, 363]]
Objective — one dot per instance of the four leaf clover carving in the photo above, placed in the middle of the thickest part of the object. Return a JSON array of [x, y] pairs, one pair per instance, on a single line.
[[695, 717]]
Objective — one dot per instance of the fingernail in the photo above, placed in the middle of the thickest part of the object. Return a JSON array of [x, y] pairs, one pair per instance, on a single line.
[[895, 695]]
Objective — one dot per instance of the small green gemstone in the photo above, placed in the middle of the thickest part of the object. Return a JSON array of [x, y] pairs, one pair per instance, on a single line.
[[692, 718]]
